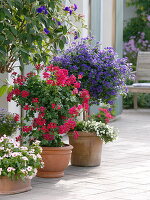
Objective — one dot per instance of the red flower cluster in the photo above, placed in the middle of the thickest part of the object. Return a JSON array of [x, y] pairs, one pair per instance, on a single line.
[[103, 115], [19, 80], [49, 137], [16, 117], [27, 129], [25, 93], [39, 67], [74, 111], [17, 92], [66, 127]]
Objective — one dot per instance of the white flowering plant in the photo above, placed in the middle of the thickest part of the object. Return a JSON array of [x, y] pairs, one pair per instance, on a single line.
[[19, 162], [106, 132]]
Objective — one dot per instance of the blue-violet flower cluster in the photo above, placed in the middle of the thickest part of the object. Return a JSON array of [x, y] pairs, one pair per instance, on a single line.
[[104, 74]]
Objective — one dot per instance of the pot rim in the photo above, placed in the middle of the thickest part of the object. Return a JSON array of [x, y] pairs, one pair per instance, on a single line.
[[66, 147], [84, 133]]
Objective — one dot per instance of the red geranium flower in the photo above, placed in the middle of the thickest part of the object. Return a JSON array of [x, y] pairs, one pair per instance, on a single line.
[[24, 93]]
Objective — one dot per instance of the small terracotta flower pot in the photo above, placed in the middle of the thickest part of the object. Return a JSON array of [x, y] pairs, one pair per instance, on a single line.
[[8, 186], [87, 149], [56, 160]]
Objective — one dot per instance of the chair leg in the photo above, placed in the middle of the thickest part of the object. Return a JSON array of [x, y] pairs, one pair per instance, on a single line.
[[135, 101]]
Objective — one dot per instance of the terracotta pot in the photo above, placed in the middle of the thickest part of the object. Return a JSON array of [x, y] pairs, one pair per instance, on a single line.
[[8, 186], [87, 149], [56, 160]]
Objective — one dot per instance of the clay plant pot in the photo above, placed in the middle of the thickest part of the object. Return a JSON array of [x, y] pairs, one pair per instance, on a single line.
[[56, 160], [8, 186], [87, 149]]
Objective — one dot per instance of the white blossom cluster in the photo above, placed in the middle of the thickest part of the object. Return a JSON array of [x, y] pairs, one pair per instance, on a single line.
[[19, 161], [106, 132]]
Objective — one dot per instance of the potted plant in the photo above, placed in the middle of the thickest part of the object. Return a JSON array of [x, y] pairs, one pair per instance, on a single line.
[[103, 72], [52, 101], [18, 165], [88, 146], [8, 122]]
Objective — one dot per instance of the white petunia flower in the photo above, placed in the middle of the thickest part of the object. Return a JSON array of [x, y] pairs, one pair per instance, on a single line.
[[15, 154], [9, 169], [24, 158], [24, 148], [29, 168]]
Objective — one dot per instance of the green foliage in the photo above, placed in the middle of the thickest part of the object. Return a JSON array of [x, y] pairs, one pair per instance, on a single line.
[[8, 124], [143, 101], [22, 35], [133, 27], [142, 6]]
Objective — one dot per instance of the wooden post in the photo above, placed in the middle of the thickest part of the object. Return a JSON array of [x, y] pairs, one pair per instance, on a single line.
[[135, 101]]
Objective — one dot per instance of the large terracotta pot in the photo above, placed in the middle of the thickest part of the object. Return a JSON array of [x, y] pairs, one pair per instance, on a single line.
[[8, 186], [87, 149], [56, 160]]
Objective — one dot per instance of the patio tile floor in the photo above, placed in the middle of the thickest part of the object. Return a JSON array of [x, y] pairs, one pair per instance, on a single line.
[[123, 175]]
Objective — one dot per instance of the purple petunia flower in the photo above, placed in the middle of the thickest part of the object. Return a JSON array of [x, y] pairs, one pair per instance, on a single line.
[[46, 31]]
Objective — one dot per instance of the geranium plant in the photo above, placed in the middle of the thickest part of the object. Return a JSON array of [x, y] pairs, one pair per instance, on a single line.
[[103, 73], [8, 122], [51, 100], [19, 162], [103, 131], [103, 115]]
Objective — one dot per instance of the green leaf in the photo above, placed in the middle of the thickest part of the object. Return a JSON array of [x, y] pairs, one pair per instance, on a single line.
[[2, 14], [7, 13], [64, 30], [61, 44], [13, 30], [1, 27], [3, 90], [2, 37], [9, 89]]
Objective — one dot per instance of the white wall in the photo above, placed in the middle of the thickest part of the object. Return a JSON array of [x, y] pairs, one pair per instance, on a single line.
[[83, 8], [108, 23]]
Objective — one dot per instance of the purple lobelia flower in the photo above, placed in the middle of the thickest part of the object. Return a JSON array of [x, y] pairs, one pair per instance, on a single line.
[[104, 74]]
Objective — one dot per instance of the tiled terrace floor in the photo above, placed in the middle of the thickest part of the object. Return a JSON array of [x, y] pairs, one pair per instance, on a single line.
[[124, 173]]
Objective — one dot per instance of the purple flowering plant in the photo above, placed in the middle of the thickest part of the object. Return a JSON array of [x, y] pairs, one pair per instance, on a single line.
[[134, 45], [104, 73]]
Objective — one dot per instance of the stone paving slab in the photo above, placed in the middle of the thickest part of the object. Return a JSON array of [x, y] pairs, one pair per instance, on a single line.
[[124, 173]]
